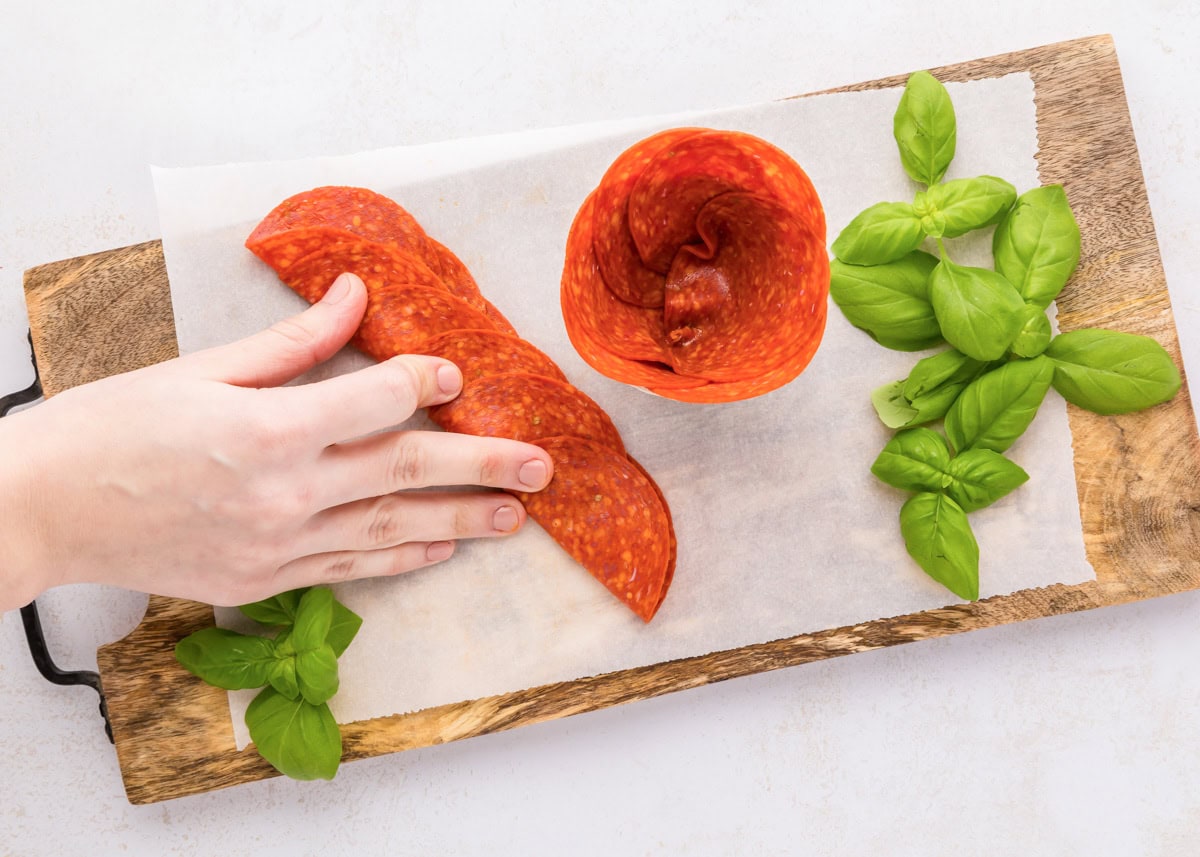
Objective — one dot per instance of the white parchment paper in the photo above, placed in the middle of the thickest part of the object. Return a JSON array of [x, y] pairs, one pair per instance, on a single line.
[[782, 529]]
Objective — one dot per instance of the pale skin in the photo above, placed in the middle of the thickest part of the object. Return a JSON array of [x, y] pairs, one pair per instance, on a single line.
[[203, 478]]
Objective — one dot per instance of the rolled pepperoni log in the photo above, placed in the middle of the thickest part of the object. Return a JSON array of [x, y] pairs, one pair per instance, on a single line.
[[697, 268], [601, 506]]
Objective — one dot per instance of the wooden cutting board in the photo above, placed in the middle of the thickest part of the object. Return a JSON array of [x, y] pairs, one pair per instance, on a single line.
[[1137, 475]]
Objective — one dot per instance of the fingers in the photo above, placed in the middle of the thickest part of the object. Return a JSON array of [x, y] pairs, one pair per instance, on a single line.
[[395, 461], [291, 347], [384, 522], [356, 565], [376, 397]]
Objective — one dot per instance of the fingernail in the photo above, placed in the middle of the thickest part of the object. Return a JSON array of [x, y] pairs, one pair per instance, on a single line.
[[339, 290], [439, 551], [533, 474], [449, 379], [505, 519]]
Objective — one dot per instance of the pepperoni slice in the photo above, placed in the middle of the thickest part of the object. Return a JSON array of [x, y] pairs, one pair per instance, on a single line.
[[739, 304], [355, 210], [620, 265], [609, 515], [377, 264], [594, 319], [734, 231], [668, 196], [527, 407], [402, 318], [479, 353]]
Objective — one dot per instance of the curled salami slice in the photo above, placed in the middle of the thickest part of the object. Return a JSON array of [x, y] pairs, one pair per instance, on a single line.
[[401, 318], [738, 305], [454, 274], [354, 210], [609, 515], [600, 326], [734, 230], [479, 353], [526, 407], [377, 264], [617, 255], [668, 196]]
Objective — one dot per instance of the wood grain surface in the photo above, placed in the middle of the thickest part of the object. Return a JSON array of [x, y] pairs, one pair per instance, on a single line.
[[1138, 485]]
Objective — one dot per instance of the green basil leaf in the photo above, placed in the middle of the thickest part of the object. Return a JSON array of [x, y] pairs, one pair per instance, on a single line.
[[978, 310], [938, 537], [932, 372], [1035, 332], [277, 610], [1108, 372], [1036, 245], [968, 204], [890, 302], [317, 674], [893, 409], [227, 659], [925, 128], [980, 477], [993, 411], [914, 460], [301, 740], [882, 233], [282, 676], [314, 618], [343, 627], [936, 403]]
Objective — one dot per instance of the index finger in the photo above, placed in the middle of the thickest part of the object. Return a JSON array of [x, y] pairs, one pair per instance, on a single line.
[[377, 397]]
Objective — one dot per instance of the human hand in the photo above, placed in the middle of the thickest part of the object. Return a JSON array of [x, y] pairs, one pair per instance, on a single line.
[[202, 478]]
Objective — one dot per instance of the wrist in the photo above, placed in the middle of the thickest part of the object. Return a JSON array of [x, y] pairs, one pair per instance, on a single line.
[[25, 569]]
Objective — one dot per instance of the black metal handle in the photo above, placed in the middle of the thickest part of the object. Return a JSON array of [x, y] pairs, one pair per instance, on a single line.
[[34, 634]]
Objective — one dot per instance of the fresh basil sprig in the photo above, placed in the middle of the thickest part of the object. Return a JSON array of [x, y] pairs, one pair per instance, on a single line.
[[289, 720], [1112, 373], [889, 301], [1004, 358], [938, 536], [882, 233], [978, 310], [995, 409], [925, 128], [1037, 244]]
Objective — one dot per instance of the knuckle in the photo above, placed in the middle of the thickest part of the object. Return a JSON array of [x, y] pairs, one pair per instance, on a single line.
[[296, 338], [404, 382], [409, 464], [463, 523], [491, 468], [384, 526], [340, 567]]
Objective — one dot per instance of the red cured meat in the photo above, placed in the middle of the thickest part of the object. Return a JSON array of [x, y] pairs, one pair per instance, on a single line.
[[609, 515], [734, 232], [479, 353], [355, 210], [526, 407], [601, 327], [377, 264], [620, 266], [402, 318]]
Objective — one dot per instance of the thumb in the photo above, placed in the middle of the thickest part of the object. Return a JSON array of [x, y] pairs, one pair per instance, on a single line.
[[294, 345]]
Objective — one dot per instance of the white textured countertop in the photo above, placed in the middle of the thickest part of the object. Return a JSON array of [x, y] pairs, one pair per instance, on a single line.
[[1073, 735]]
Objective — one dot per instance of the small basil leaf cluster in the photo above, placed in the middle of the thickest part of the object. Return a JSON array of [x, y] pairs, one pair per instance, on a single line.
[[289, 721], [1002, 357]]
